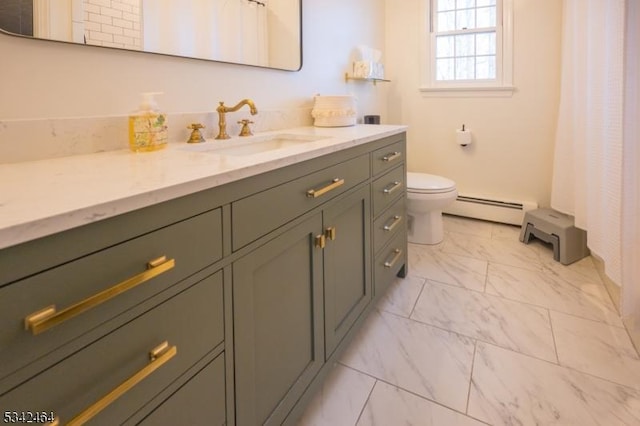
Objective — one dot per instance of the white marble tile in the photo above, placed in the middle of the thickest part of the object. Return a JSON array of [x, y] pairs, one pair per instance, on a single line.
[[497, 250], [505, 231], [402, 295], [389, 406], [424, 360], [512, 325], [340, 400], [466, 225], [447, 268], [584, 270], [596, 348], [513, 389], [542, 288]]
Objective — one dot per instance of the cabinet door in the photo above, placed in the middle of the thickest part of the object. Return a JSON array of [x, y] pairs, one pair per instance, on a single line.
[[278, 320], [347, 270]]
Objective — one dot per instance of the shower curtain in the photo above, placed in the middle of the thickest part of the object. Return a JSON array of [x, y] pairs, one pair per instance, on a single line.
[[631, 177], [595, 179]]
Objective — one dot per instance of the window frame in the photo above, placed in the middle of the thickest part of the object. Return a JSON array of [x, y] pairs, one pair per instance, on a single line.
[[501, 86]]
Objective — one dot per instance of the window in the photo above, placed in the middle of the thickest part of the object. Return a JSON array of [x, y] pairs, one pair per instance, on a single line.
[[470, 45]]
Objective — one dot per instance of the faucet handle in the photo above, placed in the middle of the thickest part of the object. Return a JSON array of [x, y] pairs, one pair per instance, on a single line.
[[196, 135], [245, 131]]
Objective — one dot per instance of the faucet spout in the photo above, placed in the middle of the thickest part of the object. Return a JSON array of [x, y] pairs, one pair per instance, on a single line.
[[223, 110]]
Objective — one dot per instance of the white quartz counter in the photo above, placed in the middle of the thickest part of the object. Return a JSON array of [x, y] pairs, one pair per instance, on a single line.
[[39, 198]]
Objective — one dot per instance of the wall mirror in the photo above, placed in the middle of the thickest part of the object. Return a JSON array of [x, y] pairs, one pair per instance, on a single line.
[[264, 33]]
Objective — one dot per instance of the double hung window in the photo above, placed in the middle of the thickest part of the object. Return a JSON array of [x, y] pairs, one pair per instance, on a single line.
[[468, 44]]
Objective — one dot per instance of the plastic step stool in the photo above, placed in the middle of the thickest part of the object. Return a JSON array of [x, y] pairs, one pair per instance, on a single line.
[[569, 243]]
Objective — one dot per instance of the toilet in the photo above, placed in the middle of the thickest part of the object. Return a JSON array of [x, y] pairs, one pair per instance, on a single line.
[[427, 196]]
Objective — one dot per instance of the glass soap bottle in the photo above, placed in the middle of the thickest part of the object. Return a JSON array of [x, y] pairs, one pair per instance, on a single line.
[[148, 126]]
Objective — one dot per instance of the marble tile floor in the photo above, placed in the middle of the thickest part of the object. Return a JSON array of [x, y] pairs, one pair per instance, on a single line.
[[486, 330]]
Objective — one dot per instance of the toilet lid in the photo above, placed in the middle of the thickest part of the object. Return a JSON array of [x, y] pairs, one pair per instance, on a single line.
[[428, 184]]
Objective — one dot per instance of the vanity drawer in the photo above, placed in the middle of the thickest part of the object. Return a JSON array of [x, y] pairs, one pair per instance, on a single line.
[[278, 205], [389, 261], [192, 325], [387, 189], [93, 289], [390, 222], [388, 157], [201, 401]]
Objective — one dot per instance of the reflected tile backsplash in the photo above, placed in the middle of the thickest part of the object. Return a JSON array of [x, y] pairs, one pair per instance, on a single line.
[[29, 140]]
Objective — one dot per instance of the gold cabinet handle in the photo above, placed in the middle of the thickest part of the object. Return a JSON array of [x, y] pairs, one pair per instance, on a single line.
[[48, 317], [396, 255], [392, 156], [394, 222], [321, 241], [315, 193], [158, 356], [392, 187], [330, 233]]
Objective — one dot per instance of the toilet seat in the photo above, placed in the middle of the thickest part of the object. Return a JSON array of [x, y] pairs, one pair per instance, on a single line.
[[423, 183]]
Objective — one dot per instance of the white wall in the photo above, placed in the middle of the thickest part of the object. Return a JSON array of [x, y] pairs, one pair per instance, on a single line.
[[514, 137], [45, 80]]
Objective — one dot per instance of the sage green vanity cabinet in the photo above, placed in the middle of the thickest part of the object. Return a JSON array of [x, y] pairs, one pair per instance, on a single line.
[[347, 265], [278, 323], [296, 297], [256, 286]]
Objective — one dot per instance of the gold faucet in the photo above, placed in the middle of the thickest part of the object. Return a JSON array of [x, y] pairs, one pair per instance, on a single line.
[[222, 120]]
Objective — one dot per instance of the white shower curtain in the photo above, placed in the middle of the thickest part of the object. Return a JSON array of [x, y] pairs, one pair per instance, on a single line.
[[597, 159], [587, 181], [631, 181]]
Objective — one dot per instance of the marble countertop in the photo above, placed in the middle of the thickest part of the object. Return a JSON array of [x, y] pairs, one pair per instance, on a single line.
[[39, 198]]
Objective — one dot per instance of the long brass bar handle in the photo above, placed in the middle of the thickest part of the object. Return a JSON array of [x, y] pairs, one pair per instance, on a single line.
[[48, 317], [392, 156], [392, 187], [159, 356], [390, 263], [315, 193], [394, 222]]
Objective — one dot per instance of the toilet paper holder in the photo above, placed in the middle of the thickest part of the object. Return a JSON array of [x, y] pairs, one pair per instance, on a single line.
[[463, 136]]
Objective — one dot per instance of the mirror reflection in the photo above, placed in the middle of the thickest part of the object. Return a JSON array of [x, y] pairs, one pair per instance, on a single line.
[[264, 33]]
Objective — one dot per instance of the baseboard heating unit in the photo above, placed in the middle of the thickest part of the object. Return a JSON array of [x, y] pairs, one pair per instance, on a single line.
[[479, 207]]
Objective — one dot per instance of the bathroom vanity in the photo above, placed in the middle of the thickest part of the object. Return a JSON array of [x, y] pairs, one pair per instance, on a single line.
[[220, 293]]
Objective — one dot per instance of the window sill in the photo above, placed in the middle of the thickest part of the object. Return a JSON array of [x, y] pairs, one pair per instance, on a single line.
[[468, 92]]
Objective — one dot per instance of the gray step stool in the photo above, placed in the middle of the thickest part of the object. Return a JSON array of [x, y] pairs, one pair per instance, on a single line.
[[569, 243]]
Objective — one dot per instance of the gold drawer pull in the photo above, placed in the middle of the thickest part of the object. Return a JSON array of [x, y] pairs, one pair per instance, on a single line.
[[389, 263], [392, 156], [313, 193], [392, 187], [320, 241], [159, 356], [48, 317], [394, 222], [330, 233]]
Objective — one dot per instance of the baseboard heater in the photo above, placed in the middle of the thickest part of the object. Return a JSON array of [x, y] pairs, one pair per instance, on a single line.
[[495, 210]]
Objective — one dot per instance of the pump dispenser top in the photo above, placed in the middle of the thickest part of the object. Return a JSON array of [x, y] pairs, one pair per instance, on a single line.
[[148, 126]]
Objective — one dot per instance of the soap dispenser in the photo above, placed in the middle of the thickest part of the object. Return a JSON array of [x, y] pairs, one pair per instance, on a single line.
[[148, 126]]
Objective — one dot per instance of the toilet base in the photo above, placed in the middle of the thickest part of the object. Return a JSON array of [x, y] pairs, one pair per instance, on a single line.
[[426, 228]]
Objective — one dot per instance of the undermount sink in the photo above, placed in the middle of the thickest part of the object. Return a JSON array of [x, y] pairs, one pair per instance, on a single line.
[[252, 145]]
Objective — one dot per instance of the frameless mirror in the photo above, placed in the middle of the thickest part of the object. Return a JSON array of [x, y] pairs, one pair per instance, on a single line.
[[264, 33]]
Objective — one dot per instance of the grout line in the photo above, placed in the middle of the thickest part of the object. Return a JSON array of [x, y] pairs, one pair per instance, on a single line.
[[378, 379], [366, 402], [473, 362], [475, 338], [566, 367], [554, 310], [424, 284], [553, 335]]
